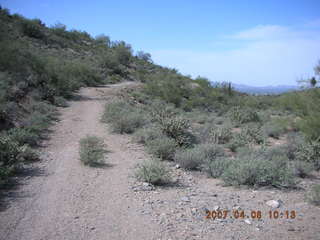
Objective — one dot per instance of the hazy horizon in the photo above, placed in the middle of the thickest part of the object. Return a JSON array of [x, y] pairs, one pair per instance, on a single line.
[[269, 44]]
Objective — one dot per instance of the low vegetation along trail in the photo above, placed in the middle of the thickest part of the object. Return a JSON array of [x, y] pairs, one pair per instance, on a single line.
[[67, 200]]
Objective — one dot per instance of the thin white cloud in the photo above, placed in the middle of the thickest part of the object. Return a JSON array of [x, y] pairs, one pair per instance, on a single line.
[[270, 55], [262, 32]]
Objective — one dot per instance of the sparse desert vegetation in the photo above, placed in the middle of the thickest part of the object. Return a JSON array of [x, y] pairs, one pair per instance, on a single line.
[[92, 151]]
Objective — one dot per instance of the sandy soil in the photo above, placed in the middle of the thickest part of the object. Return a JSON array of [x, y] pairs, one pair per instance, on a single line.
[[62, 199]]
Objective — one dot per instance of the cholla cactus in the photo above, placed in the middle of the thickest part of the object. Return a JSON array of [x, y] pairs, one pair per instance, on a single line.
[[176, 128], [172, 125], [219, 135], [240, 116]]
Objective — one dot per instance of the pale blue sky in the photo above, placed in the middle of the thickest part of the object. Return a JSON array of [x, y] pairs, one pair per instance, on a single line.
[[244, 41]]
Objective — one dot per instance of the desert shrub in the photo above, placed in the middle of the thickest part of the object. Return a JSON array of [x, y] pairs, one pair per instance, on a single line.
[[294, 141], [249, 135], [92, 150], [254, 134], [162, 147], [43, 108], [168, 86], [153, 171], [144, 56], [112, 110], [26, 153], [5, 172], [37, 123], [60, 30], [301, 168], [215, 168], [259, 169], [114, 78], [310, 126], [176, 128], [190, 159], [238, 140], [103, 40], [64, 77], [240, 115], [309, 152], [272, 129], [128, 122], [123, 52], [201, 154], [211, 151], [123, 117], [24, 136], [214, 159], [173, 126], [216, 135], [313, 196], [60, 101], [32, 28], [306, 105], [9, 150], [146, 134]]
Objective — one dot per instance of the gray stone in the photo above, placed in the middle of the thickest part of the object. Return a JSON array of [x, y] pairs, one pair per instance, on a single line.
[[273, 203], [185, 199], [247, 221]]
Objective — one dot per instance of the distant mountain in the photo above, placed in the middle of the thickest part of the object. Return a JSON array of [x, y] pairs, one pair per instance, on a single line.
[[265, 89]]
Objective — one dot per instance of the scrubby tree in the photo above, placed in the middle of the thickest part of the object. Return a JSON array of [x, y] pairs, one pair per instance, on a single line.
[[144, 56], [103, 40]]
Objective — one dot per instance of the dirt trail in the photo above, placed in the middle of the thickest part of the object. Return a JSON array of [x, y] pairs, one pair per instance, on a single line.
[[70, 201]]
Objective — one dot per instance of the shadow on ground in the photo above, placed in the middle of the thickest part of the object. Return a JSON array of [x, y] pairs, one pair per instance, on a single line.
[[11, 190]]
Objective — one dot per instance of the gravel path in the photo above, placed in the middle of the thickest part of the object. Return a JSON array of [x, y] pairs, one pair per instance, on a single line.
[[66, 200]]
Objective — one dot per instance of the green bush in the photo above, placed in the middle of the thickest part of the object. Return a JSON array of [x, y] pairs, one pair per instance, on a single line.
[[154, 172], [24, 136], [200, 155], [216, 135], [123, 52], [310, 126], [128, 122], [162, 147], [273, 129], [190, 159], [123, 117], [37, 123], [259, 169], [215, 168], [60, 101], [168, 86], [309, 152], [313, 196], [211, 151], [28, 154], [249, 135], [240, 115], [9, 150], [254, 134], [173, 126], [92, 150], [301, 168], [239, 140], [32, 28], [146, 134]]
